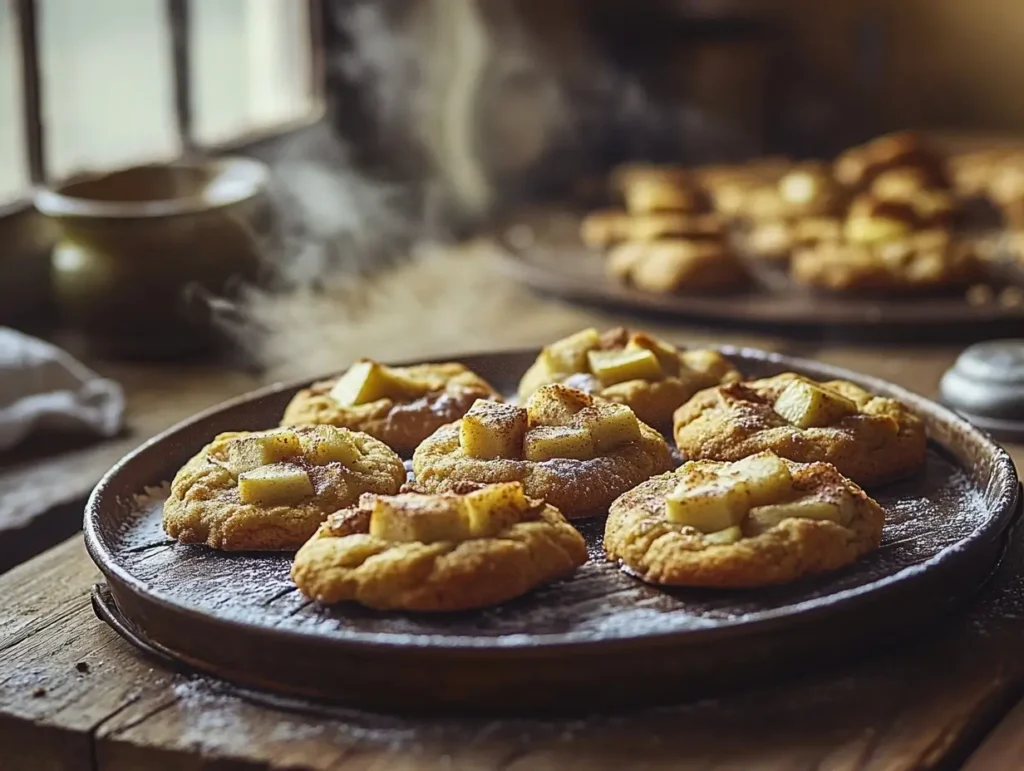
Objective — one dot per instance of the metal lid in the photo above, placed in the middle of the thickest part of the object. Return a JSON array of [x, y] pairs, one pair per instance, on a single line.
[[986, 385]]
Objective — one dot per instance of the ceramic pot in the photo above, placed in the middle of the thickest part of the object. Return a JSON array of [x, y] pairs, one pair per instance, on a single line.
[[137, 247], [26, 239]]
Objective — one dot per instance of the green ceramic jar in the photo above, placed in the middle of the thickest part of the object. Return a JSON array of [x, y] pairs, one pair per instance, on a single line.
[[134, 245]]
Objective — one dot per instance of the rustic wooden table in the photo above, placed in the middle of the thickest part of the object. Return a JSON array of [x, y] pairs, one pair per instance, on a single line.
[[73, 695]]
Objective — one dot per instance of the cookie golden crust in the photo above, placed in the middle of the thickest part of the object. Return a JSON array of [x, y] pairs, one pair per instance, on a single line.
[[674, 265], [346, 560], [442, 393], [653, 397], [868, 438], [921, 261], [207, 505], [760, 551], [573, 452]]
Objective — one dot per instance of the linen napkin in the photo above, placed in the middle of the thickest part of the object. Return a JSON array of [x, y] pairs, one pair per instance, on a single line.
[[45, 389]]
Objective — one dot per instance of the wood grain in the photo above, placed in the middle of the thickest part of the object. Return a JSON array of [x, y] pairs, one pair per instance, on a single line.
[[913, 709]]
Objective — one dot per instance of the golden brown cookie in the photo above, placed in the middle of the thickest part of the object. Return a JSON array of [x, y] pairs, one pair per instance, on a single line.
[[917, 261], [858, 167], [761, 520], [270, 490], [676, 265], [475, 546], [575, 453], [401, 406], [869, 438], [810, 190], [775, 240], [649, 375], [647, 189], [605, 227]]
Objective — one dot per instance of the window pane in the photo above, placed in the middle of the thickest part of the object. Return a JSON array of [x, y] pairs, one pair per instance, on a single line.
[[14, 179], [250, 65], [107, 84]]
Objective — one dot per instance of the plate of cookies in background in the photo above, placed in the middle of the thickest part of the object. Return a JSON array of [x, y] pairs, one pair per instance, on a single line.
[[894, 233], [612, 519]]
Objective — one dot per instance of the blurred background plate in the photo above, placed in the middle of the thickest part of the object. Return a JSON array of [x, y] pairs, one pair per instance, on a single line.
[[541, 248]]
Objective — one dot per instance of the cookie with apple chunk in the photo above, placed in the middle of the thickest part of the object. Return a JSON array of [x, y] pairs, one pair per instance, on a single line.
[[473, 546], [754, 522], [401, 406], [270, 490], [649, 375], [564, 446], [871, 439]]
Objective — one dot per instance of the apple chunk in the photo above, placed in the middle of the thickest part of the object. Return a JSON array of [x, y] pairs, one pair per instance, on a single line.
[[761, 518], [279, 484], [493, 430], [249, 452], [415, 517], [327, 444], [610, 425], [569, 354], [491, 509], [809, 405], [549, 442], [611, 367], [367, 381], [765, 476], [709, 507], [556, 405], [666, 354]]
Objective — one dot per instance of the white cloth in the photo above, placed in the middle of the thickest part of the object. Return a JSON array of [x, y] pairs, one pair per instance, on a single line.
[[43, 388]]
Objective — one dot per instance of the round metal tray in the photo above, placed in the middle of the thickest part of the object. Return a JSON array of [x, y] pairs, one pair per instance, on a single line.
[[599, 640]]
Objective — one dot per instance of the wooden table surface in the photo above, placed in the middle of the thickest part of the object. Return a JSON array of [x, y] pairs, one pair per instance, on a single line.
[[73, 695]]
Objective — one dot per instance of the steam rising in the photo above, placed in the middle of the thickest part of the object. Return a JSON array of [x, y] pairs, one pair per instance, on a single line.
[[526, 131]]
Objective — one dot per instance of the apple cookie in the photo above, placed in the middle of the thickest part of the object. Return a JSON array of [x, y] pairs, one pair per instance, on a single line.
[[400, 406], [758, 521], [270, 490], [649, 375], [474, 546], [870, 439], [574, 452]]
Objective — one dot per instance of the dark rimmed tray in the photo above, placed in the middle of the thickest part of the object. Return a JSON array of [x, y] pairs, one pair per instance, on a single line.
[[542, 250], [600, 640]]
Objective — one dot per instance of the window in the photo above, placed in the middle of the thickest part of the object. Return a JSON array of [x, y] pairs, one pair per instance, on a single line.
[[120, 81]]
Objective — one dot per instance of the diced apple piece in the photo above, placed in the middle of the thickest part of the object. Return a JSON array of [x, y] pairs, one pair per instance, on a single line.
[[364, 382], [415, 517], [762, 518], [708, 507], [808, 405], [279, 484], [549, 442], [766, 477], [569, 354], [327, 444], [249, 452], [494, 508], [556, 405], [724, 537], [493, 430], [611, 367], [666, 354], [610, 425]]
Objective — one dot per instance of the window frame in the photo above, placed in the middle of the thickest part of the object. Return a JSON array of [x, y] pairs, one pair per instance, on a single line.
[[177, 16]]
